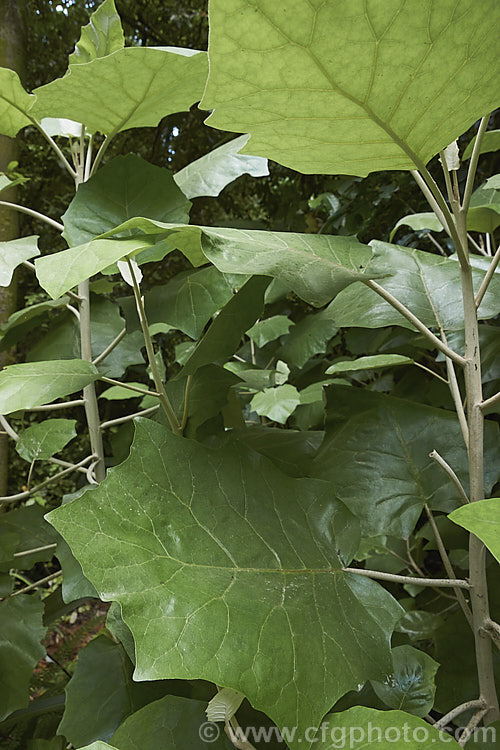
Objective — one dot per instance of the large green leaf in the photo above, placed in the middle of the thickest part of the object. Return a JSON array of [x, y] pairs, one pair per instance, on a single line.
[[210, 174], [270, 329], [350, 87], [189, 300], [20, 649], [428, 284], [43, 439], [102, 693], [310, 336], [482, 519], [484, 211], [224, 335], [102, 35], [126, 187], [227, 570], [13, 253], [60, 272], [130, 88], [171, 722], [316, 266], [34, 384], [363, 727], [410, 685], [376, 455], [15, 103]]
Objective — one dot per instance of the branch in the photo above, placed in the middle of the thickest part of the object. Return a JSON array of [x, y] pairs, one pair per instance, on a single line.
[[110, 348], [469, 729], [55, 147], [28, 493], [129, 417], [36, 584], [388, 297], [489, 275], [36, 549], [61, 405], [448, 566], [471, 173], [129, 386], [451, 474], [34, 214], [457, 711], [456, 395], [440, 582], [488, 403]]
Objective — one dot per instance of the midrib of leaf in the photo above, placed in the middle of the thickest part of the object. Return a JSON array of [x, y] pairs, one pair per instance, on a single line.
[[362, 104]]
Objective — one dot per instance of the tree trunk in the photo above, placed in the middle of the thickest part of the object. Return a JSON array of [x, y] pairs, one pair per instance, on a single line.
[[11, 56]]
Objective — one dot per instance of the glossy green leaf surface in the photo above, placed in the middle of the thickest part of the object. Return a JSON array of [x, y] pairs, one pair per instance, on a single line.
[[429, 285], [34, 384], [215, 548], [101, 692], [342, 88], [386, 729], [315, 266], [482, 519], [102, 35], [125, 89], [276, 403], [60, 272], [42, 440], [20, 649], [125, 187], [15, 103], [269, 329], [376, 455], [189, 300], [13, 253], [410, 685], [171, 722], [210, 174], [223, 337], [374, 362]]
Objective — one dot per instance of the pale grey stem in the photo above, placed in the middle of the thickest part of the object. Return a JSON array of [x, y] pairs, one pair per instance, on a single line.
[[475, 244], [8, 429], [448, 566], [34, 550], [129, 386], [489, 403], [471, 173], [489, 244], [100, 153], [89, 393], [431, 372], [28, 493], [73, 312], [415, 321], [110, 347], [445, 720], [237, 736], [456, 395], [55, 147], [469, 729], [451, 475], [430, 199], [88, 159], [129, 417], [61, 405], [36, 584], [488, 277], [436, 243], [34, 214], [439, 582]]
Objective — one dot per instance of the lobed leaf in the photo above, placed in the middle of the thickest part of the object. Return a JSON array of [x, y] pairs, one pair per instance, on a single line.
[[342, 87]]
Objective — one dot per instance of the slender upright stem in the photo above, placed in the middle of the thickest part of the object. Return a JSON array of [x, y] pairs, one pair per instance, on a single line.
[[89, 393], [473, 163], [455, 394], [160, 388], [55, 148]]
